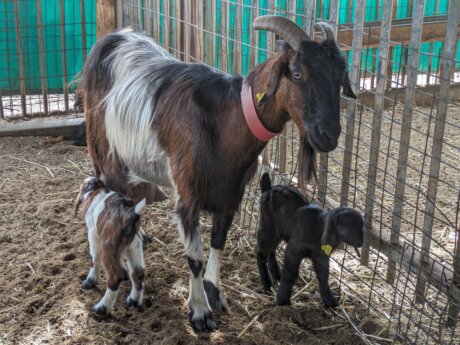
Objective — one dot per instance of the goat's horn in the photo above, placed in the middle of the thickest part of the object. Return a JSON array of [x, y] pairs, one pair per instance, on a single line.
[[326, 29], [283, 27]]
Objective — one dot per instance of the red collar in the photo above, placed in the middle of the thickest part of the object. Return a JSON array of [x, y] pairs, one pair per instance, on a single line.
[[250, 114]]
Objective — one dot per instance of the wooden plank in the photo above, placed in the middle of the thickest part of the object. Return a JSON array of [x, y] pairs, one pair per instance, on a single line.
[[377, 124], [41, 127], [438, 138], [412, 67], [350, 123], [178, 30], [22, 80], [210, 29], [434, 29], [106, 17], [41, 47], [63, 54]]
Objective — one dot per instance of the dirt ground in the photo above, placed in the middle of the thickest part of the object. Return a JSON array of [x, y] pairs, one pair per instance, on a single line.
[[44, 257]]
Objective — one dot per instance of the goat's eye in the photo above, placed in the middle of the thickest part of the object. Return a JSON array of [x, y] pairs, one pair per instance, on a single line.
[[297, 76]]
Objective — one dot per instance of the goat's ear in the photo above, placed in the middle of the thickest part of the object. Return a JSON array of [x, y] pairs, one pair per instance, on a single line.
[[347, 90], [330, 235], [78, 202], [278, 71], [139, 208]]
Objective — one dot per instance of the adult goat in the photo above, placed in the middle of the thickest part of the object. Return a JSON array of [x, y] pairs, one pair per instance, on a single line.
[[153, 118]]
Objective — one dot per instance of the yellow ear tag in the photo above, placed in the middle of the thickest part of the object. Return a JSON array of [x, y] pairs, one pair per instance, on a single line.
[[260, 96], [327, 249]]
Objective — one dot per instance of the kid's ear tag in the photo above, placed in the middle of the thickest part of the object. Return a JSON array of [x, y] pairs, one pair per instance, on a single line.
[[327, 249], [260, 97]]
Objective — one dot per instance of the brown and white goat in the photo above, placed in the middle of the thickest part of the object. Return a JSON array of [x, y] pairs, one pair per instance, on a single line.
[[308, 230], [114, 235], [151, 118]]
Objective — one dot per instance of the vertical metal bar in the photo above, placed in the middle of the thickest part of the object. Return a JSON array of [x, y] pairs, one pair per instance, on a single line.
[[324, 158], [412, 65], [310, 17], [379, 100], [454, 306], [22, 83], [41, 48], [224, 33], [237, 38], [83, 29], [438, 136], [354, 78], [2, 114], [119, 11], [187, 32], [63, 54], [334, 14], [167, 24], [208, 13], [254, 37], [270, 37], [178, 30], [199, 31]]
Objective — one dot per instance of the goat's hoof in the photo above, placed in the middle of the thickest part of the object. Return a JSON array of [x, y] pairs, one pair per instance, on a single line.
[[100, 310], [332, 301], [215, 297], [88, 283], [281, 302], [132, 302], [203, 322]]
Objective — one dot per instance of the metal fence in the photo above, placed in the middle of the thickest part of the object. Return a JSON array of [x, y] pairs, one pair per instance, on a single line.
[[43, 45], [397, 161]]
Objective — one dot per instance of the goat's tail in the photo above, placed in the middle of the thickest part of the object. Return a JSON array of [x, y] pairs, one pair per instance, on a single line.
[[97, 76], [265, 183], [134, 215]]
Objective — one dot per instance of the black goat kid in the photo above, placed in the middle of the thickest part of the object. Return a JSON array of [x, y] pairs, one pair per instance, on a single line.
[[310, 232]]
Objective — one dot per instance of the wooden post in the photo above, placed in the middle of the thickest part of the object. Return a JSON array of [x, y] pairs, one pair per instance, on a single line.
[[412, 67], [377, 124], [63, 54], [20, 60], [106, 17], [41, 47]]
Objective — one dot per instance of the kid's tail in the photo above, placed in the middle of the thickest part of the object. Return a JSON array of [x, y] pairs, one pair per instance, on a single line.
[[265, 183]]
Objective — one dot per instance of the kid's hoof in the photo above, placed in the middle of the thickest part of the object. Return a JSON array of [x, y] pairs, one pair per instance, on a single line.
[[100, 310], [131, 302], [88, 283]]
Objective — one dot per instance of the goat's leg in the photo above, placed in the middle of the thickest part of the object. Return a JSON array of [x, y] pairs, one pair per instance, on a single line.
[[200, 311], [114, 277], [135, 260], [292, 260], [263, 271], [94, 273], [273, 266], [220, 226], [321, 267]]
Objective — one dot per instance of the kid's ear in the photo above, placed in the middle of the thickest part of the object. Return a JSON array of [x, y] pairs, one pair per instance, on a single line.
[[330, 236]]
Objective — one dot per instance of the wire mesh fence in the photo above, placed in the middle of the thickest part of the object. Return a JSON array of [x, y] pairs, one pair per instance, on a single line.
[[397, 161], [43, 44]]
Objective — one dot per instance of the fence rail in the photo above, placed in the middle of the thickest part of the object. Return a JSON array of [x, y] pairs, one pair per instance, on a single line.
[[395, 161]]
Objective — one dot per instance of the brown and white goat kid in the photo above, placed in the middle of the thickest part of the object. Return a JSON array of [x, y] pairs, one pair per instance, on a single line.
[[309, 231], [152, 118], [114, 235]]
